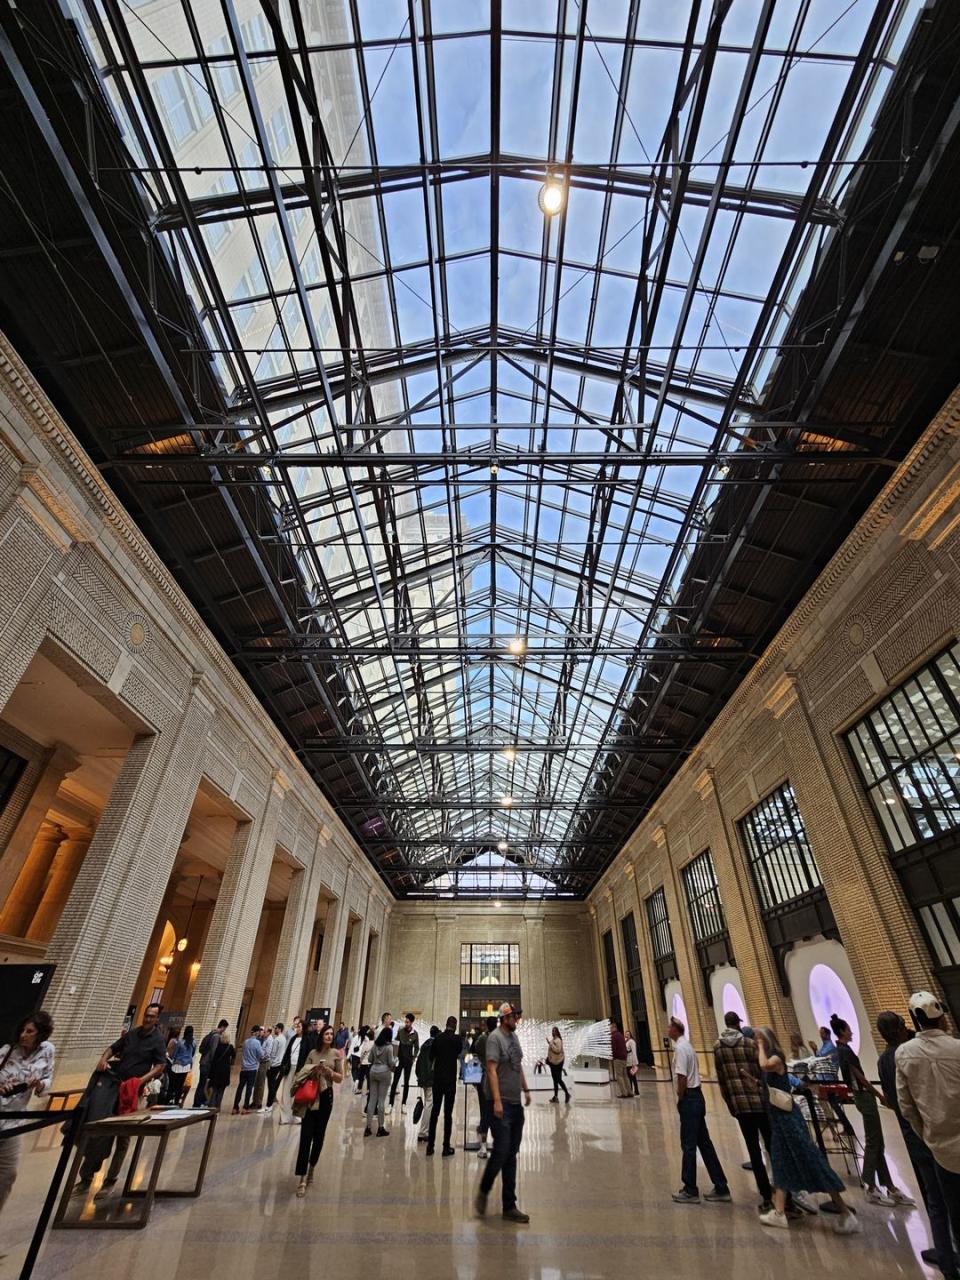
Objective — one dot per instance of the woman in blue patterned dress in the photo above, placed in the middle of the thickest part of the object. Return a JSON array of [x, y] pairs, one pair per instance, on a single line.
[[798, 1163]]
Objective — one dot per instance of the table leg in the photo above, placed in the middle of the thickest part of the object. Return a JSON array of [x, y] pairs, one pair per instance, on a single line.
[[201, 1172], [71, 1179], [132, 1166], [152, 1185]]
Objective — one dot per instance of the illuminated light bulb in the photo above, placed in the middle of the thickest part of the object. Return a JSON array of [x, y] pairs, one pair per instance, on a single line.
[[182, 944], [503, 846], [509, 753], [517, 645], [506, 801], [551, 197]]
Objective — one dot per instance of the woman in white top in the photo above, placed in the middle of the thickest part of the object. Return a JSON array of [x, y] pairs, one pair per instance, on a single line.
[[632, 1061], [291, 1061], [26, 1069]]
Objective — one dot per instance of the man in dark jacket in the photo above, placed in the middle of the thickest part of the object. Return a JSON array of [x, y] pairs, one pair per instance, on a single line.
[[207, 1048], [738, 1075], [424, 1069], [408, 1046], [446, 1062]]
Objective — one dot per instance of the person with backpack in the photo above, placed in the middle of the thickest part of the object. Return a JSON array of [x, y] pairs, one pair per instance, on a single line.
[[207, 1047], [424, 1072]]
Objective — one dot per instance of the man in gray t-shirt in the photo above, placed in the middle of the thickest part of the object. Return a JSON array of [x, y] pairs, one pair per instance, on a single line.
[[504, 1084]]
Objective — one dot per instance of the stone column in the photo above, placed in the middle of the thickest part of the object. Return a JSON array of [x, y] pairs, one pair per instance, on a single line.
[[535, 997], [218, 992], [63, 874], [293, 952], [331, 956], [16, 881], [373, 999], [353, 986], [28, 891], [99, 940], [765, 1001], [876, 924]]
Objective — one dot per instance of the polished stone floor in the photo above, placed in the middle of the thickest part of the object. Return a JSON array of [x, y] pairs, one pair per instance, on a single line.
[[595, 1176]]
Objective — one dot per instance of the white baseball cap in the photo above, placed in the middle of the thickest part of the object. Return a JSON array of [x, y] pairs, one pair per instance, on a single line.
[[926, 1002]]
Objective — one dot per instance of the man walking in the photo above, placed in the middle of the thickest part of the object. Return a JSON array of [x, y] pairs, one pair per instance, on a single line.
[[505, 1082], [424, 1070], [141, 1054], [342, 1038], [275, 1047], [694, 1135], [408, 1046], [618, 1047], [446, 1061], [735, 1058], [894, 1031], [251, 1056], [207, 1046], [928, 1091]]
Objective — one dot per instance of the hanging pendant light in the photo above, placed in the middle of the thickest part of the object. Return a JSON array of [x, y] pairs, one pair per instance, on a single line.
[[184, 942]]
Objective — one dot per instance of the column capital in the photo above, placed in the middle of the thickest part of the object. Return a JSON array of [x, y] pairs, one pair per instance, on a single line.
[[705, 783], [280, 780], [660, 836], [629, 869], [784, 695]]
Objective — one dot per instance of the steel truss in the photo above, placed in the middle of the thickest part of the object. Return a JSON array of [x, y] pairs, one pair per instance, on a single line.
[[366, 447]]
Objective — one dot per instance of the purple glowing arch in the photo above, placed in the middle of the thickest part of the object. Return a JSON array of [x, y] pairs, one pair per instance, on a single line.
[[829, 994]]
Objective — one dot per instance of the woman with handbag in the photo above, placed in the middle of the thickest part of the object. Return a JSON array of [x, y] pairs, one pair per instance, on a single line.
[[26, 1069], [313, 1103], [798, 1163]]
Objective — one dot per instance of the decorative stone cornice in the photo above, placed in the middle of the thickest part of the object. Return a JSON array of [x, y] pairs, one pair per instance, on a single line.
[[629, 869], [659, 835], [705, 784], [937, 517]]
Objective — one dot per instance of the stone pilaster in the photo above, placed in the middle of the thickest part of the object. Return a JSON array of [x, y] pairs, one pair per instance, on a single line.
[[356, 967], [293, 952], [534, 997], [233, 927], [331, 957]]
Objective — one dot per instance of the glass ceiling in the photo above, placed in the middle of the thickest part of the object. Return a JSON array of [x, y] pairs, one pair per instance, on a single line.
[[492, 436]]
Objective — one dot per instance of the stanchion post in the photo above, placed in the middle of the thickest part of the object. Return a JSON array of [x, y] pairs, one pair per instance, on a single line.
[[467, 1146], [69, 1140]]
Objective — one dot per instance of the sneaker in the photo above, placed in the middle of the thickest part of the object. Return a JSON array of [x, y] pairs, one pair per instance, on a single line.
[[480, 1203], [804, 1202], [719, 1195], [515, 1215], [81, 1189], [449, 1151], [686, 1197], [901, 1198], [774, 1219], [876, 1196], [301, 1190], [848, 1225], [765, 1206], [429, 1150], [265, 1111], [383, 1133], [555, 1100], [368, 1132]]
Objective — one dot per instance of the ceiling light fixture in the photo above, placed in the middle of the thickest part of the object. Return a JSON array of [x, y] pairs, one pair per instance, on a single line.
[[510, 753], [552, 197], [506, 801], [517, 645], [503, 846]]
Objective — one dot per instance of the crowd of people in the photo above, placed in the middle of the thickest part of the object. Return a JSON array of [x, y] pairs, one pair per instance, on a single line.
[[296, 1069]]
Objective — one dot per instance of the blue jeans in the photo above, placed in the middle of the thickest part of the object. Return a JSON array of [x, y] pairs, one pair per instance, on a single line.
[[507, 1136], [694, 1137]]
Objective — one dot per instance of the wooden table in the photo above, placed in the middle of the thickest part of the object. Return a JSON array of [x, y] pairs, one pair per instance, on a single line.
[[159, 1124]]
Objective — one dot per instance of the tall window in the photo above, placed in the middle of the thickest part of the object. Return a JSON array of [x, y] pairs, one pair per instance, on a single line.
[[781, 860], [490, 964], [11, 767], [660, 936], [906, 752], [613, 987], [638, 1001], [703, 898]]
